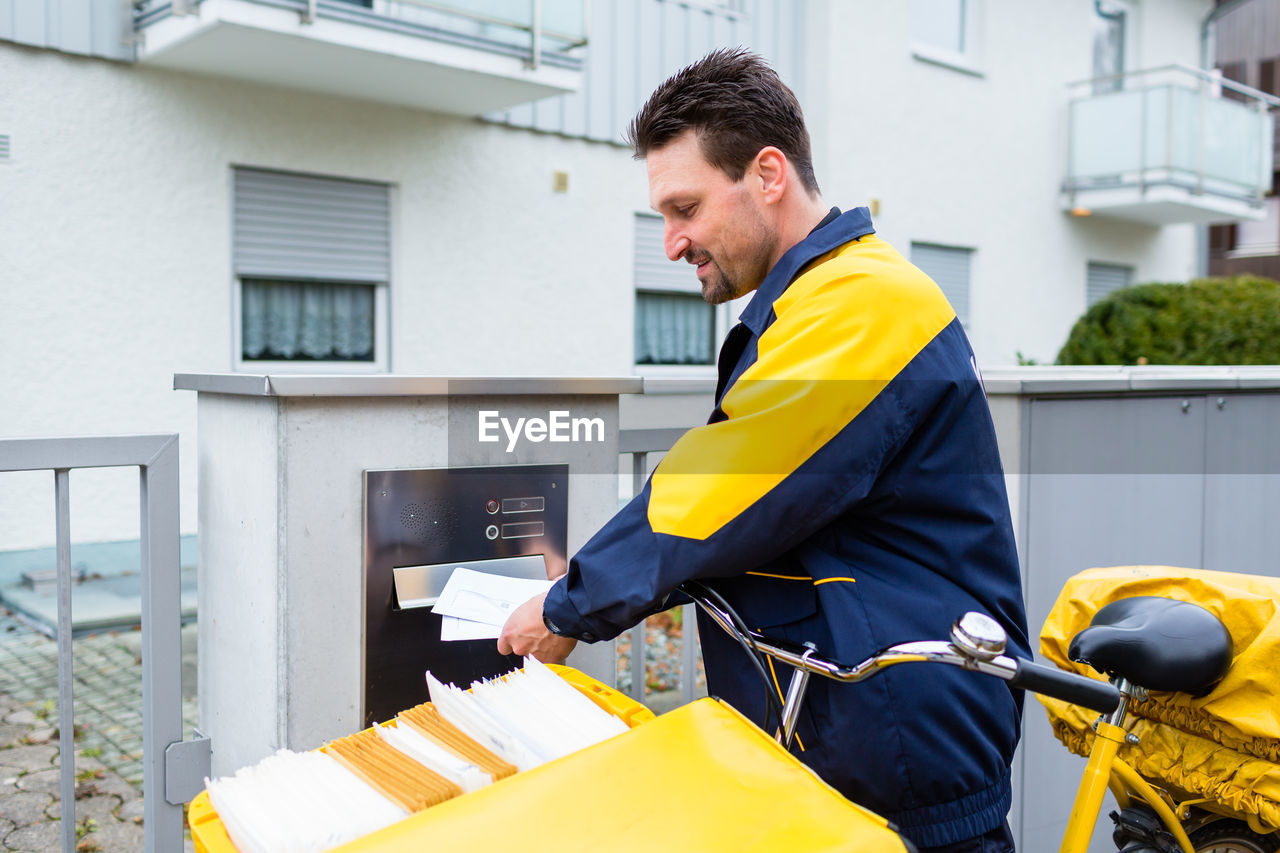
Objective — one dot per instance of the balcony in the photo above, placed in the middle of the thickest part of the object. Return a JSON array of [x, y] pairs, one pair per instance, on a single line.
[[465, 58], [1169, 145]]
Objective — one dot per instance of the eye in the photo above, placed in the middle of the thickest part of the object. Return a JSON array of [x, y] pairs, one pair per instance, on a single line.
[[687, 210]]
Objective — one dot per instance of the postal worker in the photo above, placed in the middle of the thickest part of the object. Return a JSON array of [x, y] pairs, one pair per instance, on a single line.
[[845, 491]]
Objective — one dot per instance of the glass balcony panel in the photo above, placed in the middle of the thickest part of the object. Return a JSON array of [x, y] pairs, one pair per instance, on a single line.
[[1159, 122], [1186, 101], [1208, 157], [1232, 143], [1107, 141], [563, 24]]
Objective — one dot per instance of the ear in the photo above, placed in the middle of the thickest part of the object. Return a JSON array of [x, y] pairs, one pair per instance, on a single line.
[[771, 172]]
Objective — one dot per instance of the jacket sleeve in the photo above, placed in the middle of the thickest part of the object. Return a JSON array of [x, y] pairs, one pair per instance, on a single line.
[[806, 429]]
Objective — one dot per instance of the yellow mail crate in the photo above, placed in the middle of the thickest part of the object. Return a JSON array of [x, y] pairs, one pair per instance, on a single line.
[[701, 778]]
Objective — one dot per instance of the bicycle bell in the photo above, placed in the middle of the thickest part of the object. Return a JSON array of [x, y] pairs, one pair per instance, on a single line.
[[978, 636]]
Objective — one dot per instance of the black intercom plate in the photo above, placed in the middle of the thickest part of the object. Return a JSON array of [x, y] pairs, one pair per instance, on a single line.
[[427, 516]]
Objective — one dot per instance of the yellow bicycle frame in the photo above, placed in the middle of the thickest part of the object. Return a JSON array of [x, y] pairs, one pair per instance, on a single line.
[[1104, 771]]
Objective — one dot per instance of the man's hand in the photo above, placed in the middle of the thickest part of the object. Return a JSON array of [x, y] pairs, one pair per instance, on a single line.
[[526, 634]]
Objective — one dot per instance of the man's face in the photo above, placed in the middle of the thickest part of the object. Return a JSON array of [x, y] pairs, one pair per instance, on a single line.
[[710, 221]]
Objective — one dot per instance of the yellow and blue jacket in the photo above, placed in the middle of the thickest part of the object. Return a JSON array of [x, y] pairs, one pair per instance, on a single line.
[[846, 491]]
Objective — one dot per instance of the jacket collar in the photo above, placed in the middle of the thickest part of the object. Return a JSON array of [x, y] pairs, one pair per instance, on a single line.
[[834, 231]]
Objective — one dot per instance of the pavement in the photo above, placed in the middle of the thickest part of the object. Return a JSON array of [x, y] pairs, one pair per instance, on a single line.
[[108, 718]]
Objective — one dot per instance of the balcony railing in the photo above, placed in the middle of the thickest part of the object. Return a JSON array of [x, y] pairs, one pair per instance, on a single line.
[[1167, 145], [467, 56]]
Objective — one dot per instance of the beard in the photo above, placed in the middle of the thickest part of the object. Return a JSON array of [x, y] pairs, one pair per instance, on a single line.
[[743, 273], [718, 288]]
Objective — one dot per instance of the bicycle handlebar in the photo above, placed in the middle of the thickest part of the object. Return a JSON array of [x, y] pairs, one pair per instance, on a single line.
[[1067, 686], [1019, 672]]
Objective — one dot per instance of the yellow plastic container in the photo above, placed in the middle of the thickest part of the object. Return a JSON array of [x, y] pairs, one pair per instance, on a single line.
[[701, 778]]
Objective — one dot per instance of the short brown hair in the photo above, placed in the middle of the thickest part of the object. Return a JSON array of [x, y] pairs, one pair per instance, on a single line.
[[736, 104]]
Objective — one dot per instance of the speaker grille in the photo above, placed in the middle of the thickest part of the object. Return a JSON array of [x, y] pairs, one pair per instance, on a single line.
[[433, 522]]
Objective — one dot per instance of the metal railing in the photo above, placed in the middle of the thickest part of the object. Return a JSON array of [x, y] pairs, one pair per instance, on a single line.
[[173, 770], [639, 443], [1171, 125], [545, 34]]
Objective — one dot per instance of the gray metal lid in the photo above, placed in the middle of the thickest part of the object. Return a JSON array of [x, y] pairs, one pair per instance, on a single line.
[[384, 385]]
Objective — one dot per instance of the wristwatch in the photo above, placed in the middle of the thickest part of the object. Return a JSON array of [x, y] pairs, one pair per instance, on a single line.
[[551, 626]]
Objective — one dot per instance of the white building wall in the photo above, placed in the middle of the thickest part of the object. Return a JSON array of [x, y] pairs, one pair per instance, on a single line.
[[117, 272], [636, 44], [977, 160], [115, 216]]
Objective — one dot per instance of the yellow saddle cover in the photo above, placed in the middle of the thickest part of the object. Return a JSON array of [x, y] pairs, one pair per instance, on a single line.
[[1224, 746]]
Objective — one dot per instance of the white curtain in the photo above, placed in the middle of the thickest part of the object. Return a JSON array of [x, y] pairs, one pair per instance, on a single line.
[[674, 328], [305, 321]]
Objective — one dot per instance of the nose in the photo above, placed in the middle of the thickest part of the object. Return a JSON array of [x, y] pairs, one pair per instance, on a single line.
[[674, 242]]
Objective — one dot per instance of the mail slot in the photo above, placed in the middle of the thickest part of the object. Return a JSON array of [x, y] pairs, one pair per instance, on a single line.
[[422, 524], [420, 586]]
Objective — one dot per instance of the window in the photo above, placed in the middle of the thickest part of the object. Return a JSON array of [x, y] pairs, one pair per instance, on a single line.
[[945, 32], [674, 328], [311, 258], [939, 24], [1235, 72], [1110, 25], [1258, 237], [1222, 239], [673, 323], [951, 268], [306, 321], [1102, 279], [1267, 78]]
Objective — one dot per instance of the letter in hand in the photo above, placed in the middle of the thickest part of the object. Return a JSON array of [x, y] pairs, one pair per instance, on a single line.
[[526, 634]]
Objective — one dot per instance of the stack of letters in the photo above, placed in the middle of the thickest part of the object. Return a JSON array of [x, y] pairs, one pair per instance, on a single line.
[[456, 743]]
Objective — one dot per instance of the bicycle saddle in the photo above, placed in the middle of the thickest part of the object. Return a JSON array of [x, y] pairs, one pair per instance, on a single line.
[[1157, 643]]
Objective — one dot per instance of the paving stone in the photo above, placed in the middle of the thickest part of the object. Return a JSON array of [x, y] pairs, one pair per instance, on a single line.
[[11, 734], [30, 757], [116, 786], [117, 837], [36, 837], [131, 810], [85, 762], [108, 688], [24, 807], [42, 781], [40, 735], [101, 809]]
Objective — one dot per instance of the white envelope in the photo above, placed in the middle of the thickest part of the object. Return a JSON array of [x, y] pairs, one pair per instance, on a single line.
[[480, 597], [453, 628]]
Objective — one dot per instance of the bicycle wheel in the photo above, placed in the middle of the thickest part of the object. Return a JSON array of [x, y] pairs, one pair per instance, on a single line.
[[1232, 836]]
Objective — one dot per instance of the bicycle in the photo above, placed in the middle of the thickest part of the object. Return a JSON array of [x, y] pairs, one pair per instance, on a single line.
[[1158, 643]]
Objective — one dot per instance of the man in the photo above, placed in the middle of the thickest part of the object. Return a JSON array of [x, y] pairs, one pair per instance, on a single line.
[[846, 490]]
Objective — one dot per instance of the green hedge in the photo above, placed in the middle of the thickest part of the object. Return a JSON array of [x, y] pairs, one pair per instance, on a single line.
[[1209, 321]]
